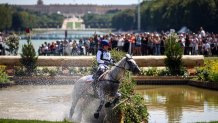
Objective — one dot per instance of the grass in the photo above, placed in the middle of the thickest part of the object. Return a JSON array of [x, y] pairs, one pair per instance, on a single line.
[[30, 121], [209, 122]]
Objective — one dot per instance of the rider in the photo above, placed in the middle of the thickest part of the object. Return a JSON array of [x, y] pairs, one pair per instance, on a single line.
[[103, 59]]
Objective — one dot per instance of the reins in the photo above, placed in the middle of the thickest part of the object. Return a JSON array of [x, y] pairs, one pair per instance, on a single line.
[[113, 80]]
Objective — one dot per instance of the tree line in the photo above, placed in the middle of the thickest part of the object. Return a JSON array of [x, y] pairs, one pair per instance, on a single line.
[[158, 15], [17, 19]]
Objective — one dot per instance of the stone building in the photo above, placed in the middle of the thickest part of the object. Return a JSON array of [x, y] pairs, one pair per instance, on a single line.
[[74, 9]]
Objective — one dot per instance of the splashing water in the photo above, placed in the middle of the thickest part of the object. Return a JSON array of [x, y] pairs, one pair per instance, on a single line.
[[84, 103]]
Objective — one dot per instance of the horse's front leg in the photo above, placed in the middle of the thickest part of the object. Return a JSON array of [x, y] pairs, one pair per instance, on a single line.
[[116, 99], [96, 114]]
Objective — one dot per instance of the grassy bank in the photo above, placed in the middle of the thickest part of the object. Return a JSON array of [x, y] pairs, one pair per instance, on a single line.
[[209, 122], [30, 121]]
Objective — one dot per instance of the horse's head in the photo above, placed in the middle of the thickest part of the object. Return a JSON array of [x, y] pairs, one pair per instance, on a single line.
[[131, 64]]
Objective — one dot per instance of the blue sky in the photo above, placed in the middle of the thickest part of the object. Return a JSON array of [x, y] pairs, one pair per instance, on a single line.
[[100, 2]]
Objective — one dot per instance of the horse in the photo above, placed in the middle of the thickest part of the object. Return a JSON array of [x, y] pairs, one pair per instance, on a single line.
[[107, 87]]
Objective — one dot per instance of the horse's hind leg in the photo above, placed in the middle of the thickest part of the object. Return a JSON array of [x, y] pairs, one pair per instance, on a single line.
[[96, 114]]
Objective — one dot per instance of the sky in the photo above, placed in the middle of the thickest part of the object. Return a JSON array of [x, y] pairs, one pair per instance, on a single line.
[[100, 2]]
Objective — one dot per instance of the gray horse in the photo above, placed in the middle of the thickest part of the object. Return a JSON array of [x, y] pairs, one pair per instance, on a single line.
[[107, 88]]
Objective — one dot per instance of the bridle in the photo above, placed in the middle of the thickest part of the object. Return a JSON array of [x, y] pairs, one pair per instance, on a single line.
[[129, 63], [123, 67]]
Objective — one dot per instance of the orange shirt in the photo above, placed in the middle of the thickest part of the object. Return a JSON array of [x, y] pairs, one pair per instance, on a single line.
[[132, 39]]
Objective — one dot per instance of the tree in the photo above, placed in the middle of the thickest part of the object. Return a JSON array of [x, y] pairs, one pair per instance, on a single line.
[[6, 17], [28, 57], [174, 53], [124, 20], [17, 22]]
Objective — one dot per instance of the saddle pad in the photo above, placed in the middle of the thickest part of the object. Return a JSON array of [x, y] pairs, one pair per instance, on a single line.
[[89, 78]]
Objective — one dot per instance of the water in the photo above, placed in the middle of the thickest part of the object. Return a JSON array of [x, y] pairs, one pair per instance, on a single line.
[[36, 43], [36, 102], [166, 104], [179, 104]]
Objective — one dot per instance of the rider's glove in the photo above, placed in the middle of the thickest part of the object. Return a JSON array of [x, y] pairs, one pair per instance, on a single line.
[[108, 63]]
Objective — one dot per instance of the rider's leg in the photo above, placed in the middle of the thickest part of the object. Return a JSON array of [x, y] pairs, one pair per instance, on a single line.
[[95, 77]]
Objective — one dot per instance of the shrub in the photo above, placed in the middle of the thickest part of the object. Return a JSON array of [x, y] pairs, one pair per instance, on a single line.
[[214, 77], [19, 71], [209, 72], [150, 71], [3, 75], [12, 42], [28, 57], [163, 72], [134, 109], [174, 52]]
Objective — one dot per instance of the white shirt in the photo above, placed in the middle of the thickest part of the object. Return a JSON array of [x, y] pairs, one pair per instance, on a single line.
[[106, 56]]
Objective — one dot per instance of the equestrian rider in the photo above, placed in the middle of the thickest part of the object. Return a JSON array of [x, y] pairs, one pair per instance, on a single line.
[[103, 58]]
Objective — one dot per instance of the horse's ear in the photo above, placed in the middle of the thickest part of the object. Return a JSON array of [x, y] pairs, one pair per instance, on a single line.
[[128, 56]]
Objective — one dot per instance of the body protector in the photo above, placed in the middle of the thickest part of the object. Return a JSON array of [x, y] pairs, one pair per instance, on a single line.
[[104, 60]]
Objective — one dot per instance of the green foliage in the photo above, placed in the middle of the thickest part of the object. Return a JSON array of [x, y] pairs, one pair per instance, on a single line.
[[17, 19], [163, 72], [45, 71], [92, 20], [117, 55], [174, 52], [6, 17], [153, 71], [12, 41], [150, 71], [133, 109], [166, 14], [19, 71], [3, 75], [124, 20], [28, 57], [209, 72], [214, 77]]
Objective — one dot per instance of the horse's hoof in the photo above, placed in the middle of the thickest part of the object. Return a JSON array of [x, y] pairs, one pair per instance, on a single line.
[[96, 115], [107, 105]]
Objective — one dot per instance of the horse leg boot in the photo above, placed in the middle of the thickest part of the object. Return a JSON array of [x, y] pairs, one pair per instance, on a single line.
[[96, 114]]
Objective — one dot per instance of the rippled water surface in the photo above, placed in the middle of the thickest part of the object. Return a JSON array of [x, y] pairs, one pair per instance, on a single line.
[[36, 102], [179, 104], [166, 104]]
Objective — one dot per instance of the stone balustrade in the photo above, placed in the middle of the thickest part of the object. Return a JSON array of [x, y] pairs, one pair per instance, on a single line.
[[86, 61]]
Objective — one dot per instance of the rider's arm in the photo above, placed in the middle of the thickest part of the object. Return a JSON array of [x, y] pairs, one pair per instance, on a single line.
[[98, 57]]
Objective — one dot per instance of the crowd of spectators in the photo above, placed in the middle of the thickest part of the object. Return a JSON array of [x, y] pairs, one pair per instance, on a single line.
[[147, 43]]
